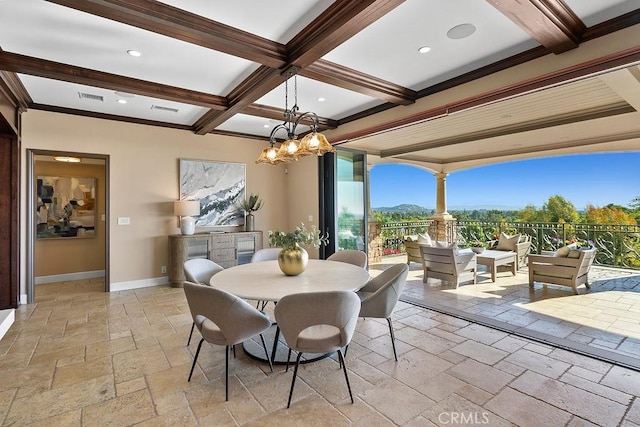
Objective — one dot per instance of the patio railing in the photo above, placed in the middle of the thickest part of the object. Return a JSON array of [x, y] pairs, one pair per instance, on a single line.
[[393, 233], [618, 244]]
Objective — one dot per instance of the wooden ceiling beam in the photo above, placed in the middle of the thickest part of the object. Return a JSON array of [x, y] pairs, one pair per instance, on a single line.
[[70, 73], [16, 89], [179, 24], [347, 78], [275, 113], [551, 22], [337, 24], [334, 26]]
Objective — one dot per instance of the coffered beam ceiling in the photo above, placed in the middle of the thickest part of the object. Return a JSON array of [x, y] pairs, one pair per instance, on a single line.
[[341, 21], [550, 22]]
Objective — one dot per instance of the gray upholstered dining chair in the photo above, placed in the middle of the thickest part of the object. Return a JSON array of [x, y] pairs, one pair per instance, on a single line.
[[380, 296], [350, 256], [199, 270], [224, 319], [317, 322], [266, 254]]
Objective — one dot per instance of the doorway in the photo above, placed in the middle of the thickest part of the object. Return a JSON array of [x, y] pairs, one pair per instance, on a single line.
[[67, 211], [344, 200]]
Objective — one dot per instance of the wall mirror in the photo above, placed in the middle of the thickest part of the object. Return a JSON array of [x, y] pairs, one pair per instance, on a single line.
[[65, 207]]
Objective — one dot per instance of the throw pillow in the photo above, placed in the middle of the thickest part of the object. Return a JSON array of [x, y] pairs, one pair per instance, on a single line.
[[564, 251], [425, 239], [574, 253], [446, 245], [507, 243]]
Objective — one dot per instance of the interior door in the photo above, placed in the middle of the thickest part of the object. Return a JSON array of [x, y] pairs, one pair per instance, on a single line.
[[344, 200]]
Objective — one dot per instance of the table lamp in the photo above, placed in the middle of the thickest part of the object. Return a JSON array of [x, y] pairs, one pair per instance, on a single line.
[[185, 209]]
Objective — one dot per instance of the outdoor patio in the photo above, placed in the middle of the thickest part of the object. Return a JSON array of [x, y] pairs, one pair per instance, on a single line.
[[603, 322]]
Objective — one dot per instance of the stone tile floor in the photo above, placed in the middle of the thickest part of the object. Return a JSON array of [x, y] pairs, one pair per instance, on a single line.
[[79, 356], [603, 321]]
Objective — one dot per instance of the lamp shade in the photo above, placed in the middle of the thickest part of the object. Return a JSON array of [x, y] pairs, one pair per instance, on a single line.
[[186, 207]]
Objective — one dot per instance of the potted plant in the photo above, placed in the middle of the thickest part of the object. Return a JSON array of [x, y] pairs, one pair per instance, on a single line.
[[477, 246], [293, 259], [250, 205]]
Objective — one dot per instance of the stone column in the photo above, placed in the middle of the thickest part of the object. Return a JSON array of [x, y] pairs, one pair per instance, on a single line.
[[444, 220]]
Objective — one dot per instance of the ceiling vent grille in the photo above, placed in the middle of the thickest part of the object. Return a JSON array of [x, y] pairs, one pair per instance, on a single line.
[[91, 96], [161, 108]]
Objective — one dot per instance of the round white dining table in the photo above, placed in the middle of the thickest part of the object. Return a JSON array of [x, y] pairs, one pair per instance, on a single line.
[[263, 281]]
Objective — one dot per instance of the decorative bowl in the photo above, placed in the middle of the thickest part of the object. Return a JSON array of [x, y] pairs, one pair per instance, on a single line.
[[477, 250]]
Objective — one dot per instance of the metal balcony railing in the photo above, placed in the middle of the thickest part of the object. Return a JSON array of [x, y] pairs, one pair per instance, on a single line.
[[618, 244]]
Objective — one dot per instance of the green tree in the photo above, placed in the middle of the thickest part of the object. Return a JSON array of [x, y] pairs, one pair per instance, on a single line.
[[529, 214], [559, 209]]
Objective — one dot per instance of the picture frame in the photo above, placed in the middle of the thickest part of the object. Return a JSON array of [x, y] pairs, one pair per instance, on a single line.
[[65, 207], [220, 188]]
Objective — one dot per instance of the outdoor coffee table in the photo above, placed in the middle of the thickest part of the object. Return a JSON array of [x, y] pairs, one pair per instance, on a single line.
[[494, 259]]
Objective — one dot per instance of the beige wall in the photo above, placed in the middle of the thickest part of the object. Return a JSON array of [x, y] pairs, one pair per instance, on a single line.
[[144, 182], [72, 255]]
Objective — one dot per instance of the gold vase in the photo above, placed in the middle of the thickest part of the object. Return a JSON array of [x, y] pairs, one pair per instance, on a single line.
[[293, 260]]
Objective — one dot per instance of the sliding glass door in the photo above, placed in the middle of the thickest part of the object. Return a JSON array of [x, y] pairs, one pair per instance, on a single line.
[[344, 202]]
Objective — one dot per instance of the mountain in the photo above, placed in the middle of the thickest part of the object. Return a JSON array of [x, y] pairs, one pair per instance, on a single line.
[[405, 208], [410, 208]]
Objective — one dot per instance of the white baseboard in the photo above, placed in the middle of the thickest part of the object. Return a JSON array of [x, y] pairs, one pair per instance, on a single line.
[[7, 317], [23, 299], [41, 280], [137, 284]]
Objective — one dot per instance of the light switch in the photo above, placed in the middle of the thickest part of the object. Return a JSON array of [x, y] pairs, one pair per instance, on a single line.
[[123, 220], [310, 218], [103, 217]]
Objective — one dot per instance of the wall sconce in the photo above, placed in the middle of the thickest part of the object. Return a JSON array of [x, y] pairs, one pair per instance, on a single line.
[[185, 209]]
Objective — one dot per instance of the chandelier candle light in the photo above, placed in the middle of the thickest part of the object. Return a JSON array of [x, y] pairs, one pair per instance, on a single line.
[[292, 149]]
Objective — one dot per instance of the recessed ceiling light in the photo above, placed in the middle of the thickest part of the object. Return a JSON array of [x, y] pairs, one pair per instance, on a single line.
[[424, 49], [134, 53], [266, 126], [321, 99], [67, 159], [122, 101], [461, 31]]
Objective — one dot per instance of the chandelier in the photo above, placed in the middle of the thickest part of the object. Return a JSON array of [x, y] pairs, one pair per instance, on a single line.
[[292, 148]]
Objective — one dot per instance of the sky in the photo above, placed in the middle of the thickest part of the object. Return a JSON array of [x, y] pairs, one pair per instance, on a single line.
[[596, 179]]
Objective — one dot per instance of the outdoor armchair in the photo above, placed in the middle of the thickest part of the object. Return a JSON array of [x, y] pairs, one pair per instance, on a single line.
[[571, 270], [412, 245], [448, 265], [519, 243]]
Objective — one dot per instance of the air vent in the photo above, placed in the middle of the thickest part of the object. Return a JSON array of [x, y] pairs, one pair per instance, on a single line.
[[161, 108], [90, 96]]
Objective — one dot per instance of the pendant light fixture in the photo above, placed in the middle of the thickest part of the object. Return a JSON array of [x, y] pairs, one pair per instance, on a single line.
[[292, 148]]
